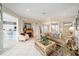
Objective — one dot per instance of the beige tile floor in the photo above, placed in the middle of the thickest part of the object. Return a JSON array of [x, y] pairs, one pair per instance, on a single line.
[[23, 49]]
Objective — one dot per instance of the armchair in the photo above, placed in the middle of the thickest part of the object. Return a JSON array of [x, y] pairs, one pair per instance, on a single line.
[[23, 37]]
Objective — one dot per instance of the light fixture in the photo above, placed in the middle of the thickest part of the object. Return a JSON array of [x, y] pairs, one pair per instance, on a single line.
[[78, 28], [44, 13], [28, 10]]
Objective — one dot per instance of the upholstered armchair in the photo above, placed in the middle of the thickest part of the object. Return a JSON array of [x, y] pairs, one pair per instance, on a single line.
[[23, 37]]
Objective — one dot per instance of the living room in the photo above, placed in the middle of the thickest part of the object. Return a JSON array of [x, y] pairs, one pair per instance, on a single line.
[[49, 29]]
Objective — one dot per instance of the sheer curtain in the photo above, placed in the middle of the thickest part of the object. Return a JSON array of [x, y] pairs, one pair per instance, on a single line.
[[44, 28]]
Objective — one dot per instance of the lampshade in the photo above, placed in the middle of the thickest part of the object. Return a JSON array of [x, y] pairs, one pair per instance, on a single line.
[[71, 29], [78, 28]]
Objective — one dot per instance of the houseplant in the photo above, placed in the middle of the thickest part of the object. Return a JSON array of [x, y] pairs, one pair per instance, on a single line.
[[44, 40]]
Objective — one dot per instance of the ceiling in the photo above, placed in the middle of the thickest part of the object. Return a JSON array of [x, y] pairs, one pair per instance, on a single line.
[[43, 10]]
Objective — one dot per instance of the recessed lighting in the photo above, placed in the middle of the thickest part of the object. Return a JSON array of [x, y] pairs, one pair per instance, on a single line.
[[44, 13], [27, 9]]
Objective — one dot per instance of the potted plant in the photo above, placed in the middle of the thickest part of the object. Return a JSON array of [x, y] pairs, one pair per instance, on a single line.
[[44, 40]]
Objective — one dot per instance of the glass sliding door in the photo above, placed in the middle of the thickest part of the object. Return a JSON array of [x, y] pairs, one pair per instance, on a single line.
[[9, 30], [1, 29]]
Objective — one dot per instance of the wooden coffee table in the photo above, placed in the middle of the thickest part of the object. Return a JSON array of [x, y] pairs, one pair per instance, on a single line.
[[45, 50]]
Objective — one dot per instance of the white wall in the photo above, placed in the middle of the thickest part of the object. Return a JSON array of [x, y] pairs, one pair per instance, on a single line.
[[20, 25], [36, 30]]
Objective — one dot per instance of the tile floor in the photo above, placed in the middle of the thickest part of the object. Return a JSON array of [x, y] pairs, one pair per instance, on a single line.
[[23, 49]]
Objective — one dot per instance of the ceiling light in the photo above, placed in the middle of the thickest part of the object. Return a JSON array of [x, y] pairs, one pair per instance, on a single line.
[[27, 9], [44, 13]]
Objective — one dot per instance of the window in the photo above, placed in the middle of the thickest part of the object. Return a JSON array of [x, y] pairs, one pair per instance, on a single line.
[[28, 26], [54, 27], [44, 28]]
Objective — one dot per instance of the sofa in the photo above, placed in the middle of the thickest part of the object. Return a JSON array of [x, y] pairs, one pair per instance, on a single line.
[[55, 42]]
